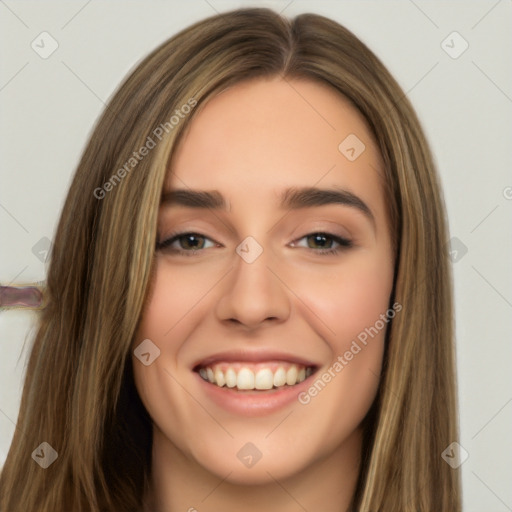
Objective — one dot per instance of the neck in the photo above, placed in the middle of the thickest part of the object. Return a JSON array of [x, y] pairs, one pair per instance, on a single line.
[[179, 483]]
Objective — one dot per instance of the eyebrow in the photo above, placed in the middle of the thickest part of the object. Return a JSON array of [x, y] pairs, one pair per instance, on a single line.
[[292, 198]]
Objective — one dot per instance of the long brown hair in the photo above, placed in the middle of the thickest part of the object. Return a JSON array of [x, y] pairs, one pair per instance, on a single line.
[[79, 394]]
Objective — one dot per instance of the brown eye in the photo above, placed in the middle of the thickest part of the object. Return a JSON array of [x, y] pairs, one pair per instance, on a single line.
[[322, 243], [319, 241], [191, 241], [184, 243]]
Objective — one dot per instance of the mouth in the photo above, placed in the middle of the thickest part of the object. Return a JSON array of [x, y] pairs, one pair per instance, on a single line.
[[253, 383], [263, 376]]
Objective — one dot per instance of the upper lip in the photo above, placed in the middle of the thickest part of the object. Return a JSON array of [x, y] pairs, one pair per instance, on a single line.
[[252, 356]]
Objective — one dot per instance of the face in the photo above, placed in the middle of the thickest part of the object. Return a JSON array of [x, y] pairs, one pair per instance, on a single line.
[[270, 299]]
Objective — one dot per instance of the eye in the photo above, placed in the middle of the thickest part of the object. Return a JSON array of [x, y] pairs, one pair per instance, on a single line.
[[191, 244], [188, 244], [325, 243]]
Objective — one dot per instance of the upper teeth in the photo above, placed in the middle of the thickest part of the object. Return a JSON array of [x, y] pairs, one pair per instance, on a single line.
[[242, 377]]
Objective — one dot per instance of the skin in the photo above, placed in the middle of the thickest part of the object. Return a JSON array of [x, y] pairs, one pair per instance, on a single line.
[[250, 142]]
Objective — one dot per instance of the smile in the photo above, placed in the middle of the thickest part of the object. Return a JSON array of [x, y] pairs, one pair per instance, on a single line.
[[255, 376]]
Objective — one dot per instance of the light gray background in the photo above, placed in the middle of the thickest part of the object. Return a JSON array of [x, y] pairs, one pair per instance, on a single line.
[[49, 106]]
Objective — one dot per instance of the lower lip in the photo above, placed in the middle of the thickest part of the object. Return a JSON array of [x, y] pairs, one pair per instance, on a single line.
[[252, 403]]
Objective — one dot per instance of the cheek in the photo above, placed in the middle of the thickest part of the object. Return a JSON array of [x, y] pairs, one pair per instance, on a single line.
[[173, 293], [354, 304], [166, 321], [176, 296], [163, 321], [349, 298]]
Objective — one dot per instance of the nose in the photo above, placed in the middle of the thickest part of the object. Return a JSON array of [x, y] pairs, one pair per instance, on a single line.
[[254, 294]]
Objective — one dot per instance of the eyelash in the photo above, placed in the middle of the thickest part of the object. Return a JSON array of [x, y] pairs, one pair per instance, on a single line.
[[343, 243]]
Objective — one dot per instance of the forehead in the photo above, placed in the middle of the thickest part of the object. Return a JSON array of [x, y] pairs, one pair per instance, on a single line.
[[263, 135]]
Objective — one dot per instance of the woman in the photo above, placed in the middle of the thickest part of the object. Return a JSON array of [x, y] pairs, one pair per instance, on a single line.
[[248, 300]]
